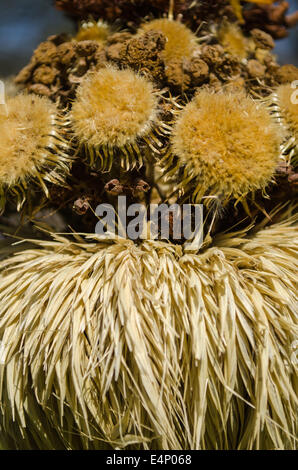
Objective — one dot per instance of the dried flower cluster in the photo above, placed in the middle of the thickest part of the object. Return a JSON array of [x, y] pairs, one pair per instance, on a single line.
[[167, 51], [58, 65], [271, 17]]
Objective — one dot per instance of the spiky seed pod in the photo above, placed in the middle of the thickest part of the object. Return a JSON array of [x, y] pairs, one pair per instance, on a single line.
[[149, 347], [114, 112], [181, 41], [33, 147], [93, 31], [284, 107], [225, 144]]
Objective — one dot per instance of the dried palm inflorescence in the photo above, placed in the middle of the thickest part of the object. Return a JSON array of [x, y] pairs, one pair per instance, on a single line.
[[107, 342], [34, 146]]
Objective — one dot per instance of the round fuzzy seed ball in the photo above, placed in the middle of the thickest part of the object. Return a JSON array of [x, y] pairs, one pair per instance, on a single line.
[[181, 41], [227, 143], [113, 107], [25, 129]]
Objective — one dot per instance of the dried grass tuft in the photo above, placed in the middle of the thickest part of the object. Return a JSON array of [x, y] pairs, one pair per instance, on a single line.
[[106, 343]]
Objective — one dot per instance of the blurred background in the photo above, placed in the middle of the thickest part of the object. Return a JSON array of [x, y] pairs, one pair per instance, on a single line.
[[26, 23], [287, 49]]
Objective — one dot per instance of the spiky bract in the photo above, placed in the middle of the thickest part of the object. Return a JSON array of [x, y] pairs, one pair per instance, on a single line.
[[32, 146], [181, 41], [113, 111], [227, 145], [107, 343]]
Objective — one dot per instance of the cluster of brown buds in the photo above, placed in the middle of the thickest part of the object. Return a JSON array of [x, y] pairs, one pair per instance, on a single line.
[[272, 18]]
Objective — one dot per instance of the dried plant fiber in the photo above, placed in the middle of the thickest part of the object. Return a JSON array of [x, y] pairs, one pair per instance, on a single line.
[[105, 343]]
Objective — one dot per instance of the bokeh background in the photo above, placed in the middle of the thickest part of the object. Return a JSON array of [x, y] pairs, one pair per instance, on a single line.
[[25, 23]]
